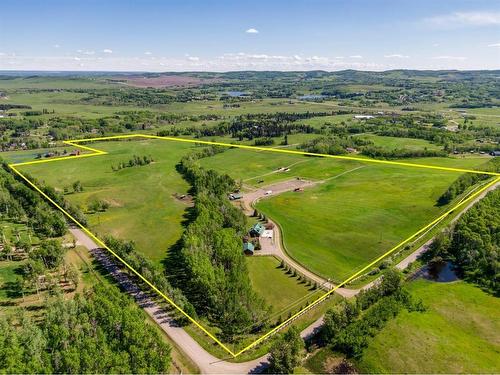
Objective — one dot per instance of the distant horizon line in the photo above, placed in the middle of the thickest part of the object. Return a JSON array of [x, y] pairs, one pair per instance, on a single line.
[[7, 71]]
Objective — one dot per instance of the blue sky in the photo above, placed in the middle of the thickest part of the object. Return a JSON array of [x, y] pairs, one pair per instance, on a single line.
[[171, 35]]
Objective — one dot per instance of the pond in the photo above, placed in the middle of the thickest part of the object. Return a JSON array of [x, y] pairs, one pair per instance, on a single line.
[[441, 272], [312, 97], [236, 94]]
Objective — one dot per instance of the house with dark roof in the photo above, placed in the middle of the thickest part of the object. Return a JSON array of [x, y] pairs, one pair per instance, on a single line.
[[257, 230], [248, 248]]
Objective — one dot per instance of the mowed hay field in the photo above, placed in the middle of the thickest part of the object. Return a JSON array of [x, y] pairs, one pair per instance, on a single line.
[[337, 227], [458, 333], [251, 167], [142, 206], [356, 212]]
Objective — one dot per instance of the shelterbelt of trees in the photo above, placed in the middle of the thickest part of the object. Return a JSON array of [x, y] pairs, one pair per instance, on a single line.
[[465, 181], [348, 327], [101, 331], [473, 244], [339, 144], [216, 278]]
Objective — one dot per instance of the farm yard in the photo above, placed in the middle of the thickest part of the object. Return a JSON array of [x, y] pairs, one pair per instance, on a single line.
[[352, 213]]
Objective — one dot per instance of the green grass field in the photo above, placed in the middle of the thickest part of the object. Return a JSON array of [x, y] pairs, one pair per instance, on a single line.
[[254, 166], [457, 334], [142, 206], [354, 217], [340, 225], [280, 290], [399, 143], [337, 227]]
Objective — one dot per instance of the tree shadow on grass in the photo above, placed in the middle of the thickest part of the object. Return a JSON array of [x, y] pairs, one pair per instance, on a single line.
[[174, 264]]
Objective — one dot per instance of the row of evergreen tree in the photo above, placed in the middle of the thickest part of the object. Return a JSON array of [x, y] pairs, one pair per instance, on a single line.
[[467, 180]]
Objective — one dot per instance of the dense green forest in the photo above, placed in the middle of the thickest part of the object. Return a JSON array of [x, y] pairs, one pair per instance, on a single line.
[[101, 331]]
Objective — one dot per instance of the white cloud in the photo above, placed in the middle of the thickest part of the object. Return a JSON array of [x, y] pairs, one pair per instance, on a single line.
[[107, 50], [494, 45], [148, 53], [446, 57], [232, 62], [396, 56], [252, 31], [460, 19], [435, 44], [356, 57]]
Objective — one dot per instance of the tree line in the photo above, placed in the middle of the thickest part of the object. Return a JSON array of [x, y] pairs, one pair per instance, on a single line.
[[19, 203], [467, 180], [473, 244], [349, 327], [216, 278]]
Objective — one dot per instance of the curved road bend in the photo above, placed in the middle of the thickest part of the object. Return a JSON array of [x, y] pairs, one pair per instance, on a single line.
[[275, 246], [207, 363]]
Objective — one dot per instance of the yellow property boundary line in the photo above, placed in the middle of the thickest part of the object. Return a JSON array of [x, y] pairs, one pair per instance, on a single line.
[[96, 152]]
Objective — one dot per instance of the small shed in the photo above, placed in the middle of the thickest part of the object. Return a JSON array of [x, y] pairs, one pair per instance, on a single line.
[[257, 230], [248, 248]]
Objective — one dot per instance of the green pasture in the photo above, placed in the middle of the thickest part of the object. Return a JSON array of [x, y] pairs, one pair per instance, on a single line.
[[457, 334], [280, 290], [337, 227], [398, 143], [142, 206]]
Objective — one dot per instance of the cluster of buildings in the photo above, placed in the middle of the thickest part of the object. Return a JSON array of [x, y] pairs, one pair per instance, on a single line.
[[256, 232]]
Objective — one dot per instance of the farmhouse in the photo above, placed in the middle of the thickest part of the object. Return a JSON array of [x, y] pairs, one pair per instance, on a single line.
[[363, 117], [257, 230], [248, 248]]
